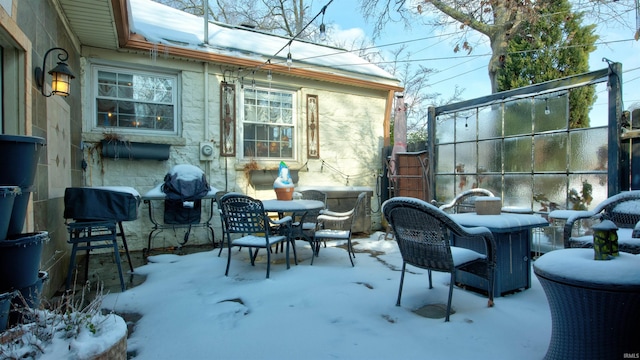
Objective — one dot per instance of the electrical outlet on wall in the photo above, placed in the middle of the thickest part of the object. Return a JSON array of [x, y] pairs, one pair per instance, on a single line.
[[206, 151]]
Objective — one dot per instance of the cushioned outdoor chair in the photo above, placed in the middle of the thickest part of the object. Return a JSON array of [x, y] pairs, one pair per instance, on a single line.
[[336, 226], [465, 201], [245, 215], [423, 233], [622, 209]]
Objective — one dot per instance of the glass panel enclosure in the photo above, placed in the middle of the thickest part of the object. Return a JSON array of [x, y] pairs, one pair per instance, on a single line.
[[523, 151]]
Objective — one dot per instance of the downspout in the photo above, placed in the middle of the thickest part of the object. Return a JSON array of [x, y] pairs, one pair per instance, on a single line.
[[206, 114], [206, 22], [206, 86], [387, 118]]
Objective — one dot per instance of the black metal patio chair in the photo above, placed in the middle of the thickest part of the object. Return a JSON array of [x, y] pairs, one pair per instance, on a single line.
[[245, 215], [336, 226], [307, 222]]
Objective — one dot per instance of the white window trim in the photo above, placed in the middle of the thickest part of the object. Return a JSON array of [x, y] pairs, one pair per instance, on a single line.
[[295, 122], [93, 79]]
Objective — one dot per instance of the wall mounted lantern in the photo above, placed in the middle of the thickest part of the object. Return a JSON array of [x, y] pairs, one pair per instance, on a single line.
[[60, 75]]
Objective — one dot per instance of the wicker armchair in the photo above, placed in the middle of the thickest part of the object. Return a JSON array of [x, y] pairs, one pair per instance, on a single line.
[[465, 201], [623, 209], [424, 232]]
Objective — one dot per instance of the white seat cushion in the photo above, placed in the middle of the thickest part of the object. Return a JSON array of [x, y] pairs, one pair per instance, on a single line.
[[462, 255], [256, 241], [332, 234]]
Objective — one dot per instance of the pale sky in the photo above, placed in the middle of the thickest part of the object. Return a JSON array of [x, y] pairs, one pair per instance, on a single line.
[[470, 72]]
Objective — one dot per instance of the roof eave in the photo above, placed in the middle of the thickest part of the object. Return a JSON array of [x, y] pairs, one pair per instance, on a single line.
[[137, 42]]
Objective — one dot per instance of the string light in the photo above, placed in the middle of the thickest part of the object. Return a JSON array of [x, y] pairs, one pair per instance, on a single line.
[[546, 107], [323, 28], [288, 44]]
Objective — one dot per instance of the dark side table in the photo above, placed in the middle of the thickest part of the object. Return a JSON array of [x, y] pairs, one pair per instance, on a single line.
[[512, 233], [595, 304]]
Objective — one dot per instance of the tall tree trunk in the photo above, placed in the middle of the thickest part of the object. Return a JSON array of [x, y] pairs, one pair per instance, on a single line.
[[499, 46]]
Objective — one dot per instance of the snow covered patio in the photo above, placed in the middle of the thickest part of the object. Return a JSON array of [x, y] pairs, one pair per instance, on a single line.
[[189, 309]]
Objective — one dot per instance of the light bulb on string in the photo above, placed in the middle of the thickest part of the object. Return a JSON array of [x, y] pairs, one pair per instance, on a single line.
[[323, 28], [289, 60], [323, 32], [269, 76], [546, 107]]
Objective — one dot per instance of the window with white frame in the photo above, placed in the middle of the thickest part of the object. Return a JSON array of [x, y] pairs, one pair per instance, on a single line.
[[268, 123], [135, 101]]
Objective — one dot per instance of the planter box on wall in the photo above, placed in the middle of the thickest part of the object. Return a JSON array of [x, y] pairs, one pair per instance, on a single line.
[[267, 177], [134, 150]]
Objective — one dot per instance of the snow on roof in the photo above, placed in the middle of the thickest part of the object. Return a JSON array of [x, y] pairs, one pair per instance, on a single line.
[[165, 25]]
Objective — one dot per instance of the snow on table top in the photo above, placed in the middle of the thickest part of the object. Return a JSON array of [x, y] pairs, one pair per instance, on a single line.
[[157, 194], [566, 214], [502, 222], [291, 205], [122, 189], [579, 265]]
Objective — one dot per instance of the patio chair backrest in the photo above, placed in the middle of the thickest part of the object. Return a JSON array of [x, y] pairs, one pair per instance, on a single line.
[[243, 214], [312, 215], [422, 232], [623, 209], [465, 201]]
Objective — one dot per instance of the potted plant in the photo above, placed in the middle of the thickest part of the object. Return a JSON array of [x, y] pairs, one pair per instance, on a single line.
[[69, 330]]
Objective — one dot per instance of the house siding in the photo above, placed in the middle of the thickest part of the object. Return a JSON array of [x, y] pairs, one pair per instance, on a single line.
[[35, 31], [351, 129], [351, 134]]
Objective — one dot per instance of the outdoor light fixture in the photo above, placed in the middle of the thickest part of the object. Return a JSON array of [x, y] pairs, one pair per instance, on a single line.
[[546, 107], [323, 32], [323, 28], [289, 60], [60, 75]]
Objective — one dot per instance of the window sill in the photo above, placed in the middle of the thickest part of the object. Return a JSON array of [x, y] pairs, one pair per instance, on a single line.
[[267, 177]]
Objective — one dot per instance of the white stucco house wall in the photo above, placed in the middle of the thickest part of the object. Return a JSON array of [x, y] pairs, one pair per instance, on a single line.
[[145, 75], [164, 85]]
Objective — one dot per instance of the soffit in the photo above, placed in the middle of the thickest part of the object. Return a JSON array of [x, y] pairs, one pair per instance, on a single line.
[[92, 21]]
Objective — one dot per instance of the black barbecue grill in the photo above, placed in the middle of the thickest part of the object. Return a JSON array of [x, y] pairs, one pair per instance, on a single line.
[[182, 192], [96, 212]]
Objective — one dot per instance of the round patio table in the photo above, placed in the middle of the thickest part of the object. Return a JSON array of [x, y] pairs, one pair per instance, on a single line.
[[595, 304], [282, 206]]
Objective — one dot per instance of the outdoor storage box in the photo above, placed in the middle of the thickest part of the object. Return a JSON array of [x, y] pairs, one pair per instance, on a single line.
[[488, 205]]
